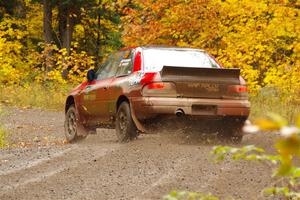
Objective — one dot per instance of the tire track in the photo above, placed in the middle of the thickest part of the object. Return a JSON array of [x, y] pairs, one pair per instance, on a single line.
[[41, 169]]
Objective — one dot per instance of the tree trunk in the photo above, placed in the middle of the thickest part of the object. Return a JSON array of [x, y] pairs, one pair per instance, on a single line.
[[98, 37], [47, 21], [66, 26], [48, 36], [20, 9], [68, 33], [62, 23]]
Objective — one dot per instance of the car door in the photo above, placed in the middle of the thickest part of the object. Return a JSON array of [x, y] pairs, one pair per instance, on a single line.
[[95, 95], [120, 82]]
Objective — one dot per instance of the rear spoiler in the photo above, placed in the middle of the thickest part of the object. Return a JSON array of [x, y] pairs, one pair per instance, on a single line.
[[168, 72]]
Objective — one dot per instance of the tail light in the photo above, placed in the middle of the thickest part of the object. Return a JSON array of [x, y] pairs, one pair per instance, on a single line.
[[159, 85], [237, 89], [162, 89], [148, 77]]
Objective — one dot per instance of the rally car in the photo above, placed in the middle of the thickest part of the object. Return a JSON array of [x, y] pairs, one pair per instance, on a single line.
[[138, 85]]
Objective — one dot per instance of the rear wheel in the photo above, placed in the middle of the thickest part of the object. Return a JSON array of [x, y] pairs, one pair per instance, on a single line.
[[231, 130], [125, 127]]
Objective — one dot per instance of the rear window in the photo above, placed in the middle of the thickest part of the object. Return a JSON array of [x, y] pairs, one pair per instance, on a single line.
[[155, 59]]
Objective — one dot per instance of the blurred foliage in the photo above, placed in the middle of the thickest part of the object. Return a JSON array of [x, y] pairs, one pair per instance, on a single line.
[[74, 66], [24, 55], [189, 196], [285, 161], [260, 37], [271, 99]]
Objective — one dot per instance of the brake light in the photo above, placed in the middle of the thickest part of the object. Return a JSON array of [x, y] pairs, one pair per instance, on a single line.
[[155, 86], [237, 88], [159, 89], [137, 64], [148, 77]]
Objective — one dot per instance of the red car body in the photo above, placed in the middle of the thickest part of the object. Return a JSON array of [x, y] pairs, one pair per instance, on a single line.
[[157, 82]]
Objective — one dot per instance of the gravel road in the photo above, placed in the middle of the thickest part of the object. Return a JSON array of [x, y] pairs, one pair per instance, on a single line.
[[40, 166]]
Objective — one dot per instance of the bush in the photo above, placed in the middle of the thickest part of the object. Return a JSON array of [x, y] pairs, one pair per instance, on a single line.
[[271, 99], [51, 96]]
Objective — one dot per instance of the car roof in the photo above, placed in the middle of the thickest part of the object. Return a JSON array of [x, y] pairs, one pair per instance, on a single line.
[[171, 48], [162, 47]]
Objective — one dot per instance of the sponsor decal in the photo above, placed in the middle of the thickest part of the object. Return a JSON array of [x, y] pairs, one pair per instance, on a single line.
[[206, 86], [136, 78]]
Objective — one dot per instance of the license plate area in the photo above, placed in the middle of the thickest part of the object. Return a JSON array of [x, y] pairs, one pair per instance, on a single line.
[[204, 109]]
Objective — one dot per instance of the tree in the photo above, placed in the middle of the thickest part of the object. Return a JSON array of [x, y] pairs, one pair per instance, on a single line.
[[48, 36], [16, 8], [47, 21], [260, 37]]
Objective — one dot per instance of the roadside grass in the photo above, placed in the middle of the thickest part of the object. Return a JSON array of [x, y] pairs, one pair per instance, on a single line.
[[50, 97], [270, 100], [53, 96], [3, 142]]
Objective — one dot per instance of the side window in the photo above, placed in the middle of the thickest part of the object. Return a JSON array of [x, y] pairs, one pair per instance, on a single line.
[[110, 67], [126, 64]]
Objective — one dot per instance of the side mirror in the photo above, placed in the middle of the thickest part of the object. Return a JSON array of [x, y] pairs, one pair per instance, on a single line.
[[91, 75]]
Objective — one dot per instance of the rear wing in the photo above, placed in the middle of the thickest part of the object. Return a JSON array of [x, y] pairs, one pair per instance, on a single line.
[[170, 73]]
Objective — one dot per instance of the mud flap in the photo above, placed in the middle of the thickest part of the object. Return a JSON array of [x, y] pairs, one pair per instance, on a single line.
[[138, 124], [81, 131]]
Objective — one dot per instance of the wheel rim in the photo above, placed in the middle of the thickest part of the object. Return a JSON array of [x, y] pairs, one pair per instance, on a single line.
[[123, 122], [71, 125]]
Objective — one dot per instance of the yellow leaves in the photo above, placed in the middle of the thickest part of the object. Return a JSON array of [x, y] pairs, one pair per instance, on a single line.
[[271, 122], [287, 149], [289, 146], [256, 36], [297, 123]]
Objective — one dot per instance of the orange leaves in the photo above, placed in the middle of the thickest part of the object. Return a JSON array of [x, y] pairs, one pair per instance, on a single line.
[[252, 35]]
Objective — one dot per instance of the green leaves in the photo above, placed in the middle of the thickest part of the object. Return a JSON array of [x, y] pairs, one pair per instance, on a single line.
[[285, 159], [189, 196]]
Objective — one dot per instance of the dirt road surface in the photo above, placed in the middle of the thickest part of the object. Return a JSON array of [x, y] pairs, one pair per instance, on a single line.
[[41, 166]]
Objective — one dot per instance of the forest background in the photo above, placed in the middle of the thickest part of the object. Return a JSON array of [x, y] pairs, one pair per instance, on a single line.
[[46, 46]]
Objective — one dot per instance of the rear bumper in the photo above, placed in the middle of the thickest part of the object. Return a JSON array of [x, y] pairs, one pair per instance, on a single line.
[[147, 107]]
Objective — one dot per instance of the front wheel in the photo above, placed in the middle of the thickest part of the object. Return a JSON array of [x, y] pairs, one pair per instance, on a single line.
[[71, 128], [125, 127]]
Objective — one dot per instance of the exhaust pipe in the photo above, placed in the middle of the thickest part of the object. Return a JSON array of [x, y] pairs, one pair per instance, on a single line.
[[179, 113]]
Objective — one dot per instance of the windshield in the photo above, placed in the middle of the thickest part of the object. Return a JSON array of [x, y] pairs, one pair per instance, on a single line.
[[155, 59]]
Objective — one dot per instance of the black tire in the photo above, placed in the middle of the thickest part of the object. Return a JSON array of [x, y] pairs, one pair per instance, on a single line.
[[71, 126], [125, 127], [231, 130]]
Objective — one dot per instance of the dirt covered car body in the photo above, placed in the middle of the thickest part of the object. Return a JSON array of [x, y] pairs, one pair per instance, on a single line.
[[138, 84]]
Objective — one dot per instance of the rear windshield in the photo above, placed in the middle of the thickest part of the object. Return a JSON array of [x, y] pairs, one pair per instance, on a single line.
[[155, 59]]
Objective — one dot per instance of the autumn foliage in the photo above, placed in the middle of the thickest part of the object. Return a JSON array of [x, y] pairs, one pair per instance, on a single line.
[[262, 37]]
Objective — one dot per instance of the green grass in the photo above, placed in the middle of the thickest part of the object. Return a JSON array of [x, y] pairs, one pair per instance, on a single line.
[[51, 97], [271, 101], [3, 142]]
